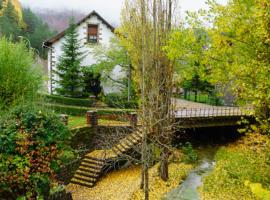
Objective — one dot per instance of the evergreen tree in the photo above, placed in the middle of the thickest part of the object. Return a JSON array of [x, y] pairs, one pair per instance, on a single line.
[[1, 4], [9, 21], [36, 30], [68, 70]]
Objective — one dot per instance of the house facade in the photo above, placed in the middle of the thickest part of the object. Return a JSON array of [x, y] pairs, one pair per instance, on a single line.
[[92, 30]]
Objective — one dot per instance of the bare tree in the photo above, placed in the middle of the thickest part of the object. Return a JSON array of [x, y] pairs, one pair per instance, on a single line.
[[146, 25]]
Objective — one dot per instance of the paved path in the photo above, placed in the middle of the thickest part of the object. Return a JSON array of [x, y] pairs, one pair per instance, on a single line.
[[184, 104]]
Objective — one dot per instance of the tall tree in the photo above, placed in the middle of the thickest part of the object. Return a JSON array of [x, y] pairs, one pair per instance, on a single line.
[[68, 70], [9, 21], [146, 26], [239, 53], [108, 58]]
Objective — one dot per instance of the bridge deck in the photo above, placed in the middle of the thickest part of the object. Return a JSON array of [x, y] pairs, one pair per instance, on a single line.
[[212, 112], [190, 114]]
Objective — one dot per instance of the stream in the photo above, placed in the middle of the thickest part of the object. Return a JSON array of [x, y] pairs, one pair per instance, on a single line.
[[188, 190]]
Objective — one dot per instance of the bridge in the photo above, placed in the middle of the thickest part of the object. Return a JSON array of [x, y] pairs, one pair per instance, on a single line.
[[187, 115], [210, 116]]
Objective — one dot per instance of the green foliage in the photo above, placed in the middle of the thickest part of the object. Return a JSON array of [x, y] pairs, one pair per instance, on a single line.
[[117, 100], [69, 101], [34, 144], [189, 152], [240, 162], [108, 58], [258, 190], [19, 78], [239, 54], [68, 70], [91, 81], [9, 22], [80, 111]]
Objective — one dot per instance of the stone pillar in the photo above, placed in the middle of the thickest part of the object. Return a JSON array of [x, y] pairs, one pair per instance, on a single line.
[[133, 119], [64, 119], [92, 118]]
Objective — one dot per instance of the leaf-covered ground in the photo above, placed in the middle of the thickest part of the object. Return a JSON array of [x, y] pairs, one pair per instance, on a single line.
[[158, 188], [246, 160], [116, 185], [124, 184]]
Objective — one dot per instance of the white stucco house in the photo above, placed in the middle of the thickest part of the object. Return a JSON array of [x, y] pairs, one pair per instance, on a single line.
[[93, 30]]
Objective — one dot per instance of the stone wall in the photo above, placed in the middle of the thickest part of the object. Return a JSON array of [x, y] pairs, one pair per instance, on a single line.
[[86, 139]]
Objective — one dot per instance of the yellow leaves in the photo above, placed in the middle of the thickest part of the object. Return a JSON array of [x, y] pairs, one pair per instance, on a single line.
[[124, 184], [117, 185], [258, 190], [158, 188]]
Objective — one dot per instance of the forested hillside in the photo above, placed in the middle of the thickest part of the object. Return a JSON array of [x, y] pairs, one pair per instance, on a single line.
[[58, 19], [23, 24]]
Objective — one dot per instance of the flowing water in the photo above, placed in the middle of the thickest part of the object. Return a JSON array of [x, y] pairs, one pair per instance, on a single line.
[[188, 190]]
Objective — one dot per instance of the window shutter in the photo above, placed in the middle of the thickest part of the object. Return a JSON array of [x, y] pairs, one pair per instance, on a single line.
[[93, 30]]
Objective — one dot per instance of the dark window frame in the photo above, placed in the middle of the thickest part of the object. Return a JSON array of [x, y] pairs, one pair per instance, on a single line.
[[93, 39]]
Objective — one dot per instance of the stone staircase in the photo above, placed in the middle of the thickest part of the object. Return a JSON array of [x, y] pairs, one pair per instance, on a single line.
[[97, 163]]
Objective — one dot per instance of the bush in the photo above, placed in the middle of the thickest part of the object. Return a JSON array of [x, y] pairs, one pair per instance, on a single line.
[[80, 111], [69, 101], [119, 101], [33, 146], [19, 78], [190, 154]]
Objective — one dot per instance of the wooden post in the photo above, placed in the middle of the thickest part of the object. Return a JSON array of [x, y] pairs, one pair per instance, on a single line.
[[92, 118], [133, 119], [64, 119]]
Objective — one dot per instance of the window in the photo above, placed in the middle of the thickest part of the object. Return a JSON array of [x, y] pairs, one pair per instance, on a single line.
[[92, 33]]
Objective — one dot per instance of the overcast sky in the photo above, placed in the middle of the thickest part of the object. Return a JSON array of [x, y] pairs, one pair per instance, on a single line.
[[109, 9]]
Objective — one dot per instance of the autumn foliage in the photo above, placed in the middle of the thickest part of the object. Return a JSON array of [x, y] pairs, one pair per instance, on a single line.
[[32, 147]]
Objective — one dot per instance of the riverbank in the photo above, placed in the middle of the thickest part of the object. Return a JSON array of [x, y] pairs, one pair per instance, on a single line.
[[244, 161], [124, 184]]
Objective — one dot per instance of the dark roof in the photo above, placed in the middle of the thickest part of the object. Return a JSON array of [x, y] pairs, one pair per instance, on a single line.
[[55, 38]]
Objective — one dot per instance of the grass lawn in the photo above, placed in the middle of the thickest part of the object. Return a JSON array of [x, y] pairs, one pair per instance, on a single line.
[[242, 171], [78, 121]]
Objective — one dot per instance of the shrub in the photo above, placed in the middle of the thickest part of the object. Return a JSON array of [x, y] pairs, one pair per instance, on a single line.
[[91, 81], [69, 101], [116, 100], [33, 146], [190, 155], [19, 78], [80, 111]]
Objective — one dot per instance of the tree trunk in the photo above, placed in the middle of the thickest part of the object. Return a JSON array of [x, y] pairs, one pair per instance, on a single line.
[[164, 166]]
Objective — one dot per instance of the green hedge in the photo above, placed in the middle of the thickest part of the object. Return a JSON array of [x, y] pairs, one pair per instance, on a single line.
[[54, 99], [115, 100], [79, 111]]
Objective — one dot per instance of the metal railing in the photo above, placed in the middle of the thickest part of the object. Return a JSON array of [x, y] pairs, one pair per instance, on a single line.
[[213, 112]]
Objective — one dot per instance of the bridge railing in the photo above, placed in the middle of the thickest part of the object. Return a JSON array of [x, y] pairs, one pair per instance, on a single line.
[[213, 112]]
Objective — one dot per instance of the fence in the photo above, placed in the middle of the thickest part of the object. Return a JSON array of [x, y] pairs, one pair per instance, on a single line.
[[213, 112]]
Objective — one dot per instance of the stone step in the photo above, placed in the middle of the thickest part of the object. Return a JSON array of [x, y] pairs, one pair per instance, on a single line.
[[122, 147], [91, 166], [82, 183], [87, 174], [87, 160], [116, 150], [94, 158], [84, 178], [90, 170], [126, 145], [135, 137]]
